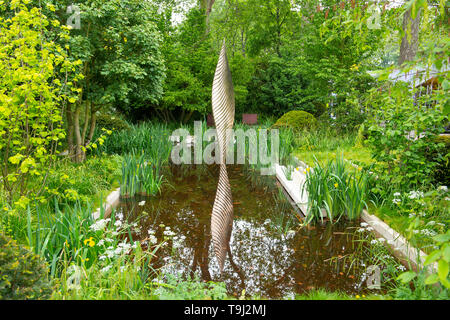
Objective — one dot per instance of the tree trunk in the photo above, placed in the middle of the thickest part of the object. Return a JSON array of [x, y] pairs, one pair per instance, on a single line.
[[410, 44], [70, 129], [207, 6]]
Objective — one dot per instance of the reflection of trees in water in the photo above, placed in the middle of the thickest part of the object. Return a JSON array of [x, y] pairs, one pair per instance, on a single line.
[[263, 262]]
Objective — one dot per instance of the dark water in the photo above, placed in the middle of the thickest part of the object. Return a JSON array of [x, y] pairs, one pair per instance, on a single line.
[[271, 256]]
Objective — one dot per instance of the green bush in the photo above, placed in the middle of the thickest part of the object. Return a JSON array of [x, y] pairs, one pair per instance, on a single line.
[[23, 275], [441, 172], [296, 120], [73, 181], [111, 122]]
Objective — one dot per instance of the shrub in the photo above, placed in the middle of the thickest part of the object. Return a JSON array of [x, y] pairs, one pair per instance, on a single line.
[[441, 172], [24, 275], [297, 120], [401, 131], [70, 181], [111, 122]]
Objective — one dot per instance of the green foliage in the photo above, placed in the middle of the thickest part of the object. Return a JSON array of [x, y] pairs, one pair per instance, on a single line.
[[111, 122], [176, 289], [401, 133], [70, 182], [277, 87], [441, 173], [442, 257], [24, 276], [296, 120], [119, 45], [413, 286], [140, 176], [150, 138], [191, 64], [32, 90], [335, 191]]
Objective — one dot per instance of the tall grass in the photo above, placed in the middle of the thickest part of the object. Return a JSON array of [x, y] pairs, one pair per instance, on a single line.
[[140, 176], [335, 191], [57, 233], [149, 138]]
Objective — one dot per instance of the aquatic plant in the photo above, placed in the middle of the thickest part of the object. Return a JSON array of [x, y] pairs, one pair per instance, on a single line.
[[151, 139], [335, 191], [140, 176]]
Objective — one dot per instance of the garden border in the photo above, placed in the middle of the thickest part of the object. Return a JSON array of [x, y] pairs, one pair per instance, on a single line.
[[112, 200], [408, 255]]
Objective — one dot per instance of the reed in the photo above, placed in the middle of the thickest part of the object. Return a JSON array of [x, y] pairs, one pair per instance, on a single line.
[[335, 191], [140, 175]]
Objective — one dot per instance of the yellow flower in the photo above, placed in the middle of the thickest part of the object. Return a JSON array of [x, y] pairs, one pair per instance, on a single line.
[[91, 243], [308, 169], [357, 297], [359, 168], [90, 240], [336, 185]]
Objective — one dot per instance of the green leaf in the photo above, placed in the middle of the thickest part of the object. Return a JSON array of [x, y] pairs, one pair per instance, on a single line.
[[443, 269], [446, 252], [442, 237], [406, 277], [432, 257], [432, 279]]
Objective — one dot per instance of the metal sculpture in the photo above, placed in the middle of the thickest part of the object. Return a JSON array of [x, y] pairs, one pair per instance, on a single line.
[[223, 107]]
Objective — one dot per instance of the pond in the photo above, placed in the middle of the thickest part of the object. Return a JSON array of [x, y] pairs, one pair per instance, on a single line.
[[271, 256]]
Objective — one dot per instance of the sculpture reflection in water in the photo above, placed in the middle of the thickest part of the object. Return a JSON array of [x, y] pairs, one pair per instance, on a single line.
[[223, 107]]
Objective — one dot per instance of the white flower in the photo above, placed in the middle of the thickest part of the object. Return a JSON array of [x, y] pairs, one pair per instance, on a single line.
[[397, 194], [119, 216], [415, 195], [374, 242], [396, 201], [101, 243], [118, 223], [363, 224], [443, 188], [99, 225], [106, 269], [401, 268], [142, 203], [361, 230], [381, 240], [369, 229], [153, 239], [102, 258]]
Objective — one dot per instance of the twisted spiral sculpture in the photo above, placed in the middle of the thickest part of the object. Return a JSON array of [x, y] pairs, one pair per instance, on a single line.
[[223, 107]]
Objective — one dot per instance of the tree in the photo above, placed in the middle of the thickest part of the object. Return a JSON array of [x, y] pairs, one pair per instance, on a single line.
[[410, 40], [32, 95], [119, 45]]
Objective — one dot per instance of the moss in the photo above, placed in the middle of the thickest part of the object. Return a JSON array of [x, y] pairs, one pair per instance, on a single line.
[[24, 275], [297, 120]]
